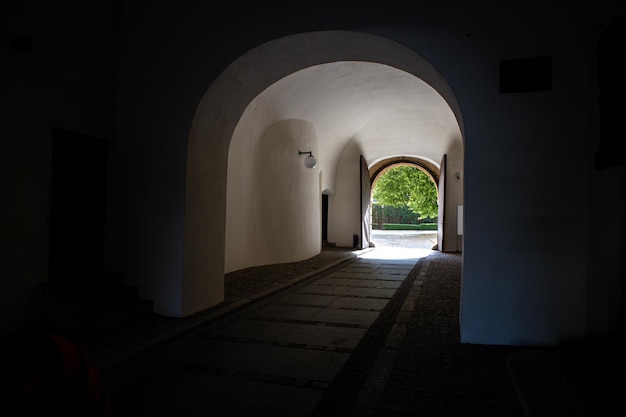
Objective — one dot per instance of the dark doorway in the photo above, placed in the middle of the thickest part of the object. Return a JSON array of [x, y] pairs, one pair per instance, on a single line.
[[78, 206], [324, 218]]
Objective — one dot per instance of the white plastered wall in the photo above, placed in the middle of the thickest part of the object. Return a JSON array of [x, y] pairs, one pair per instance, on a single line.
[[344, 207], [219, 116], [273, 208]]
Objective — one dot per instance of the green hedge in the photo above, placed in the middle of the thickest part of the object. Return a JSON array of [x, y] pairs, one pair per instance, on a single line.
[[396, 215], [421, 226]]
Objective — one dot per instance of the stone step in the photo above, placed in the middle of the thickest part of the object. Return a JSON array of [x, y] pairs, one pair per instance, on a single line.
[[74, 307]]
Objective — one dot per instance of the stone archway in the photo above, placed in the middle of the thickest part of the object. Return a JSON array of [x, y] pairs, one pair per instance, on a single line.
[[217, 116], [428, 168]]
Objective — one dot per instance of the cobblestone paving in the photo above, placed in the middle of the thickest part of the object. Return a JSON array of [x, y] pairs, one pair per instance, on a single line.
[[242, 283], [109, 347], [410, 362], [431, 373], [435, 375]]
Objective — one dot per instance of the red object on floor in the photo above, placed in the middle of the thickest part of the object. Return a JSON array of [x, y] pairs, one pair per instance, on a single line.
[[46, 373]]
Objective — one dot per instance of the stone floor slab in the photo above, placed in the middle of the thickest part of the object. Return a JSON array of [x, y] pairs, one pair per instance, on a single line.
[[394, 271], [350, 317], [289, 312], [367, 304], [309, 300], [259, 330], [374, 282], [312, 364], [316, 365], [371, 292], [331, 336], [241, 397], [390, 277], [345, 274], [164, 391], [220, 354], [325, 290]]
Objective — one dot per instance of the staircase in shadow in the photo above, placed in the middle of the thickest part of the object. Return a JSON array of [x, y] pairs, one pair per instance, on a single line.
[[89, 305]]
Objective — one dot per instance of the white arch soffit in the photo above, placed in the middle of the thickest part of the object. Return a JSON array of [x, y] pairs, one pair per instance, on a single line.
[[225, 101], [383, 109]]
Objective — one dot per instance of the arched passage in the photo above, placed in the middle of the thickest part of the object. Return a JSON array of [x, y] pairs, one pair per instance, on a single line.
[[427, 167], [216, 119], [431, 170]]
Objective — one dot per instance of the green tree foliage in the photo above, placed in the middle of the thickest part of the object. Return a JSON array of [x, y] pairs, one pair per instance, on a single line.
[[406, 186]]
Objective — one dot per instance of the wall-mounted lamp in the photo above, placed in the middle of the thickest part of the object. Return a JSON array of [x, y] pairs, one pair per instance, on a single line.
[[309, 161], [458, 175]]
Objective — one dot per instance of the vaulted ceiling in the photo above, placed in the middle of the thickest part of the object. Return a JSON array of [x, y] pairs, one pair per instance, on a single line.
[[387, 112]]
